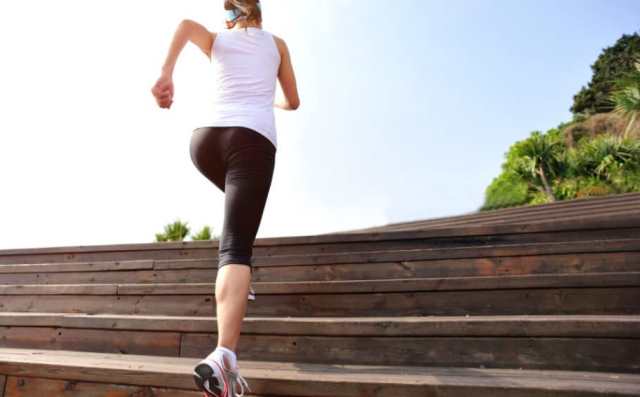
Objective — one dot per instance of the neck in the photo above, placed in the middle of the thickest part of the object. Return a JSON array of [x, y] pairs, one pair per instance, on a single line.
[[244, 24]]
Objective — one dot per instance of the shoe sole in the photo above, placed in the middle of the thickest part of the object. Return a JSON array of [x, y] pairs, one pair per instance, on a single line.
[[202, 373]]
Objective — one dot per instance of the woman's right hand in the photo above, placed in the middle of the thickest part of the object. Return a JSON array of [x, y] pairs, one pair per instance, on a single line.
[[163, 91]]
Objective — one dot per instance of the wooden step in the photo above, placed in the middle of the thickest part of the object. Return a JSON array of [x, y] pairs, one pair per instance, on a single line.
[[629, 201], [26, 369], [204, 270], [565, 256], [546, 248], [594, 343], [377, 246], [568, 280], [593, 326], [363, 246], [579, 293], [599, 293], [266, 246], [549, 215]]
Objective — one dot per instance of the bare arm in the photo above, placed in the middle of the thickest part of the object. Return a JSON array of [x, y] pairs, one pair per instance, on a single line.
[[188, 30], [287, 79]]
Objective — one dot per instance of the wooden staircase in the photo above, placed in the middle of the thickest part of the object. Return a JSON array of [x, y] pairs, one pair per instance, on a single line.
[[543, 307], [579, 210]]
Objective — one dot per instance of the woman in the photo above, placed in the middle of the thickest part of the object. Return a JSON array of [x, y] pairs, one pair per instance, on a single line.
[[236, 152]]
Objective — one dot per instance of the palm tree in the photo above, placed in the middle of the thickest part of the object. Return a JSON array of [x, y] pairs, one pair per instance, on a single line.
[[627, 97], [204, 234], [538, 160], [175, 231]]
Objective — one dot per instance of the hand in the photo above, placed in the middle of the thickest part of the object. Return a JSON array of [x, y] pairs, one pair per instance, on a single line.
[[163, 91]]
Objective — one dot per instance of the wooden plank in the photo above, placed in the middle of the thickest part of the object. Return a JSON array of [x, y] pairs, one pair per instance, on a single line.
[[97, 340], [473, 302], [551, 214], [600, 246], [598, 354], [22, 386], [360, 266], [205, 272], [585, 205], [587, 202], [580, 354], [443, 242], [532, 264], [582, 247], [317, 380], [583, 300], [202, 249], [3, 380], [549, 263], [435, 242], [577, 326], [59, 289], [607, 279], [139, 276], [191, 305], [77, 267], [514, 265]]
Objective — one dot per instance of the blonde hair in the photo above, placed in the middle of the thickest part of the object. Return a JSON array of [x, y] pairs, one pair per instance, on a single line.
[[249, 9]]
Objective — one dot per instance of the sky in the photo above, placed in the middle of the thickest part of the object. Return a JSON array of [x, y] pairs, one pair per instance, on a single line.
[[406, 110]]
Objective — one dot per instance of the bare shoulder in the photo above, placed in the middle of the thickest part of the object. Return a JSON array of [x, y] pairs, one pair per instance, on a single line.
[[282, 45], [200, 35]]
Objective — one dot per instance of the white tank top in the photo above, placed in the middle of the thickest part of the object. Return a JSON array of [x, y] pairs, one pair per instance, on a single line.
[[245, 64]]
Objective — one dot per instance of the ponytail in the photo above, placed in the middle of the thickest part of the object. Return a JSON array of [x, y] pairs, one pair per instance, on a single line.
[[248, 10]]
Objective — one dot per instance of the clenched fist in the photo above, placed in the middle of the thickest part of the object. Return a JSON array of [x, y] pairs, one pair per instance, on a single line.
[[163, 91]]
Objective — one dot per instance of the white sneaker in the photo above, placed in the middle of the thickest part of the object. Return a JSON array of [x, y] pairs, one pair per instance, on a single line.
[[215, 380], [211, 378]]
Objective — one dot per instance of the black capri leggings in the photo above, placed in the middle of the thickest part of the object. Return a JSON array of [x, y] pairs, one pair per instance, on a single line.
[[240, 162]]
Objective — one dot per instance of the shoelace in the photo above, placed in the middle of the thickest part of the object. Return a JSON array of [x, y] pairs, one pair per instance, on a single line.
[[239, 379]]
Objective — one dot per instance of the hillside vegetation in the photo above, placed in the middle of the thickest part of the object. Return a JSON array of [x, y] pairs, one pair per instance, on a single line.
[[597, 153]]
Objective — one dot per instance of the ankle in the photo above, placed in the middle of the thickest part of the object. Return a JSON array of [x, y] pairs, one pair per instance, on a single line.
[[226, 356]]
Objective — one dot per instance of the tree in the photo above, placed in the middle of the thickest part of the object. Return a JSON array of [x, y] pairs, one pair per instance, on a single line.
[[541, 169], [613, 63], [204, 234], [175, 231], [537, 160], [506, 190], [178, 231], [627, 97]]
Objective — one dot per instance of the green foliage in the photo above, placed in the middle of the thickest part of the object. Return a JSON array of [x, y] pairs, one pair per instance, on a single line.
[[603, 165], [612, 64], [626, 97], [175, 231], [538, 160], [587, 156], [605, 157], [178, 231], [506, 190], [204, 234]]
